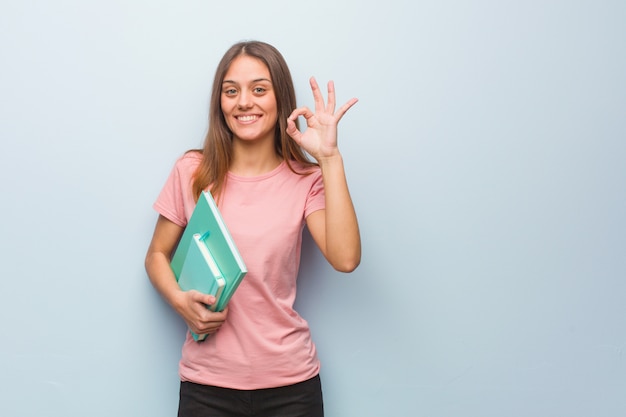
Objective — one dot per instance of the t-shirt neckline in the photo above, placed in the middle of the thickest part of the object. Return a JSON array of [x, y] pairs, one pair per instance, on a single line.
[[260, 177]]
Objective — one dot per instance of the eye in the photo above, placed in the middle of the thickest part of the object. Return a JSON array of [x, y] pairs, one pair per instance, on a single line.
[[229, 91], [259, 90]]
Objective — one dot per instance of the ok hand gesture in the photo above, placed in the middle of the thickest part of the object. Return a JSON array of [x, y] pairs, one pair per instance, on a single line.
[[320, 137]]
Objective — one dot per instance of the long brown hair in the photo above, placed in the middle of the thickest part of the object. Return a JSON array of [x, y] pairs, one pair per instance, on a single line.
[[217, 152]]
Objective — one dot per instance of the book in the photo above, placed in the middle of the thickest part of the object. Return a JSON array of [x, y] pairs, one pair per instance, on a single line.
[[207, 222], [200, 272]]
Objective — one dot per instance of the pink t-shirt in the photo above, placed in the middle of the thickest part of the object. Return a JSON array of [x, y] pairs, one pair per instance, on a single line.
[[264, 342]]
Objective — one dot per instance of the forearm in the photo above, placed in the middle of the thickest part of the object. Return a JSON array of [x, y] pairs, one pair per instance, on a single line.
[[163, 279], [342, 237]]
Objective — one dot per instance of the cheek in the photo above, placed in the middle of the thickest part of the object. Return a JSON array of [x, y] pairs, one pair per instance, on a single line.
[[272, 109], [227, 111], [224, 106], [270, 104]]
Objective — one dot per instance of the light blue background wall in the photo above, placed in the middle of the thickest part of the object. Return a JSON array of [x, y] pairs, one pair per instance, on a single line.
[[486, 158]]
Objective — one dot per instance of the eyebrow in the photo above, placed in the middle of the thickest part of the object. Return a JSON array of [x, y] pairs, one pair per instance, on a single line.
[[253, 81]]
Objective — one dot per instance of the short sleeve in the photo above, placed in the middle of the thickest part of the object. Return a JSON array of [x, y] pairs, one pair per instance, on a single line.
[[175, 201]]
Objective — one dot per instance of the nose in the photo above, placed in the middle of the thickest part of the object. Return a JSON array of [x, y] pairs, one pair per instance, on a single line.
[[245, 100]]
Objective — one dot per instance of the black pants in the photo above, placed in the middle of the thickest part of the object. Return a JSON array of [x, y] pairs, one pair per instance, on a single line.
[[299, 400]]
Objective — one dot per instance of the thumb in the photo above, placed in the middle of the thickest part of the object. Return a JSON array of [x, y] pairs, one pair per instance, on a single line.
[[207, 299]]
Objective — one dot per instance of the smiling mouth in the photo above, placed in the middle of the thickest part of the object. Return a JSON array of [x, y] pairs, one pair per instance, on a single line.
[[247, 118]]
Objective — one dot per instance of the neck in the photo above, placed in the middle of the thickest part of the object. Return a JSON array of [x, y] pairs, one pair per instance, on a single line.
[[253, 158]]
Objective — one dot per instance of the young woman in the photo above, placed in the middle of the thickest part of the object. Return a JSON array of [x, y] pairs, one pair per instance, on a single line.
[[259, 358]]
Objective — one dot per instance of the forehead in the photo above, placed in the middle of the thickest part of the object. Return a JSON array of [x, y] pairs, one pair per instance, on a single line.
[[245, 68]]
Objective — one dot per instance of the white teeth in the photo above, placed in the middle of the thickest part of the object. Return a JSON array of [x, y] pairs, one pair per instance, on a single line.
[[247, 118]]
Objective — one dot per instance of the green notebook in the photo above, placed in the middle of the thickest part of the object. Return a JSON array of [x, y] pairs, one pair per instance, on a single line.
[[207, 222], [200, 272]]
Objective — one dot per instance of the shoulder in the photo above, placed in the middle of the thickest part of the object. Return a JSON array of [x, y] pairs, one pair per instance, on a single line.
[[301, 168], [176, 200], [306, 177], [189, 161], [303, 175], [186, 165]]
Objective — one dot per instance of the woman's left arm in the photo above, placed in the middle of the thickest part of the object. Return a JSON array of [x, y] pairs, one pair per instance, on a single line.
[[335, 229]]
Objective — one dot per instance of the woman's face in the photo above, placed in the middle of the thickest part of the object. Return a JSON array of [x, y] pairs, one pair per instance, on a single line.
[[248, 100]]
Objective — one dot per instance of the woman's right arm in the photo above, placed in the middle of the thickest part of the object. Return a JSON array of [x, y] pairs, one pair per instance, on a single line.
[[190, 305]]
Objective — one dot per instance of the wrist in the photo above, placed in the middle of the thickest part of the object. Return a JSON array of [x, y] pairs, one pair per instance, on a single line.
[[332, 159], [177, 300]]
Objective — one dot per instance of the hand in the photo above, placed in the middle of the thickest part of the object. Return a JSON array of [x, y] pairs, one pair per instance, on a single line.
[[200, 320], [320, 137]]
